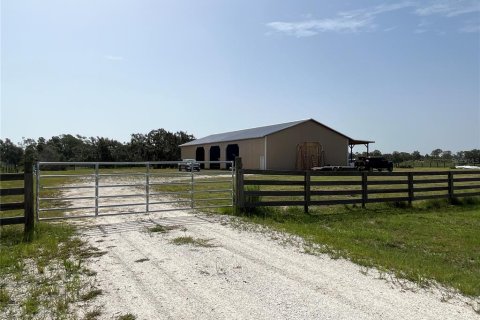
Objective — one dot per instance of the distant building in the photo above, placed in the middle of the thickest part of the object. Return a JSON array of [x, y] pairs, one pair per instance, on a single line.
[[287, 146]]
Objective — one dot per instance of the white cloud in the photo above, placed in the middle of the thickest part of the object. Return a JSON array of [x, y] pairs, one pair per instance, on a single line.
[[449, 8], [470, 28], [364, 19], [113, 58], [420, 31], [390, 29], [349, 21], [312, 27]]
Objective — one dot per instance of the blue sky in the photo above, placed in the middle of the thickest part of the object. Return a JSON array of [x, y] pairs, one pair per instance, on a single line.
[[403, 73]]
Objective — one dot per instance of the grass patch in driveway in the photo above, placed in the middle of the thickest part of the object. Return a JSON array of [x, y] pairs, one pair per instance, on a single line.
[[43, 278], [197, 242], [158, 228], [430, 241]]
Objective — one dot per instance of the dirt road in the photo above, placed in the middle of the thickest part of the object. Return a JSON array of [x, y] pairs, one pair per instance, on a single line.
[[235, 271], [235, 274]]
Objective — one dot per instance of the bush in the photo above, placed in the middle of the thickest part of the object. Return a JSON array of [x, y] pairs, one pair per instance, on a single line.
[[253, 199]]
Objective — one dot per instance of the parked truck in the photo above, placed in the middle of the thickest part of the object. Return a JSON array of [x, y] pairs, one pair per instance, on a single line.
[[188, 165], [371, 163]]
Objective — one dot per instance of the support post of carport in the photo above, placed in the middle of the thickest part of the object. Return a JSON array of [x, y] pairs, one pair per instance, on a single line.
[[353, 142]]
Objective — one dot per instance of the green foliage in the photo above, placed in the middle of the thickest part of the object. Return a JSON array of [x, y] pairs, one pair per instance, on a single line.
[[10, 154], [157, 145]]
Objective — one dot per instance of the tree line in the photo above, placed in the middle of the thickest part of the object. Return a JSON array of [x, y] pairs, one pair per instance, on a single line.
[[470, 156], [157, 145]]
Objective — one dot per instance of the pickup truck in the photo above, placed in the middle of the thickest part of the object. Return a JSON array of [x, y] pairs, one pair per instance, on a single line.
[[188, 165], [370, 163]]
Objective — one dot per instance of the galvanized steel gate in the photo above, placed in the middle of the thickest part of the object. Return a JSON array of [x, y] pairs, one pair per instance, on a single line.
[[66, 190]]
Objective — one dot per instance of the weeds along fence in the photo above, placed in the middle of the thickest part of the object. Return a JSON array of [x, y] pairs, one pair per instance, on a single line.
[[260, 188], [16, 198]]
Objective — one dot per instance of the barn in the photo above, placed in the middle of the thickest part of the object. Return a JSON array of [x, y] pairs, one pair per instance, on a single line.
[[287, 146]]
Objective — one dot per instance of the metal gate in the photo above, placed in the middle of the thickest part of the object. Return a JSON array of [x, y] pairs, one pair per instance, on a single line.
[[66, 190]]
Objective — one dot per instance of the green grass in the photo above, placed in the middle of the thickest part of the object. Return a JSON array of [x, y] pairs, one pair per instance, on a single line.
[[5, 298], [127, 316], [158, 228], [93, 315], [197, 242], [91, 294], [431, 241], [44, 275]]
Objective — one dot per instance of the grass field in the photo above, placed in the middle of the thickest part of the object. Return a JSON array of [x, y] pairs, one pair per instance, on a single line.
[[430, 241]]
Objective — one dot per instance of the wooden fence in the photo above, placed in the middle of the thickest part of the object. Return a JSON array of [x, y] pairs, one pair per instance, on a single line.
[[256, 188], [26, 205]]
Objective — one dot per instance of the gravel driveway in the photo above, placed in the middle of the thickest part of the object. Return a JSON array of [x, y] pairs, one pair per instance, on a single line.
[[237, 271]]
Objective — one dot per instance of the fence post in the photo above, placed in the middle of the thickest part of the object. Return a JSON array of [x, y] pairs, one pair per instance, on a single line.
[[364, 188], [239, 196], [410, 189], [147, 188], [96, 188], [192, 186], [28, 201], [450, 187], [37, 188], [306, 191]]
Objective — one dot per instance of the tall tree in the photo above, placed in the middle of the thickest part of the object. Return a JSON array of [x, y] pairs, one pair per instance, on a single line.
[[10, 154], [436, 153]]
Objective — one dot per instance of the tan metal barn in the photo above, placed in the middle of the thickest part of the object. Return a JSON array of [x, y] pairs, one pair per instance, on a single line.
[[287, 146]]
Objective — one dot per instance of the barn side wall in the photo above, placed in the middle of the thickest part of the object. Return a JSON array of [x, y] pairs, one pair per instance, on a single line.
[[250, 150]]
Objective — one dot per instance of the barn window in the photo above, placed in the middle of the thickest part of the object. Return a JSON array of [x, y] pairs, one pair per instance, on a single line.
[[215, 156], [232, 152], [200, 156]]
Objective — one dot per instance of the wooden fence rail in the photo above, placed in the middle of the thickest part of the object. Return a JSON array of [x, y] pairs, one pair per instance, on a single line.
[[257, 188], [26, 205]]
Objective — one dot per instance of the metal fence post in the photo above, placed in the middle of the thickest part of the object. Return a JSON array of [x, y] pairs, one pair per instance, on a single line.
[[232, 167], [37, 187], [192, 189], [96, 188], [147, 188]]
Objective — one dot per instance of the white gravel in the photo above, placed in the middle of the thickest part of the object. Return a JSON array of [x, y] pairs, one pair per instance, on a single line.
[[247, 274]]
